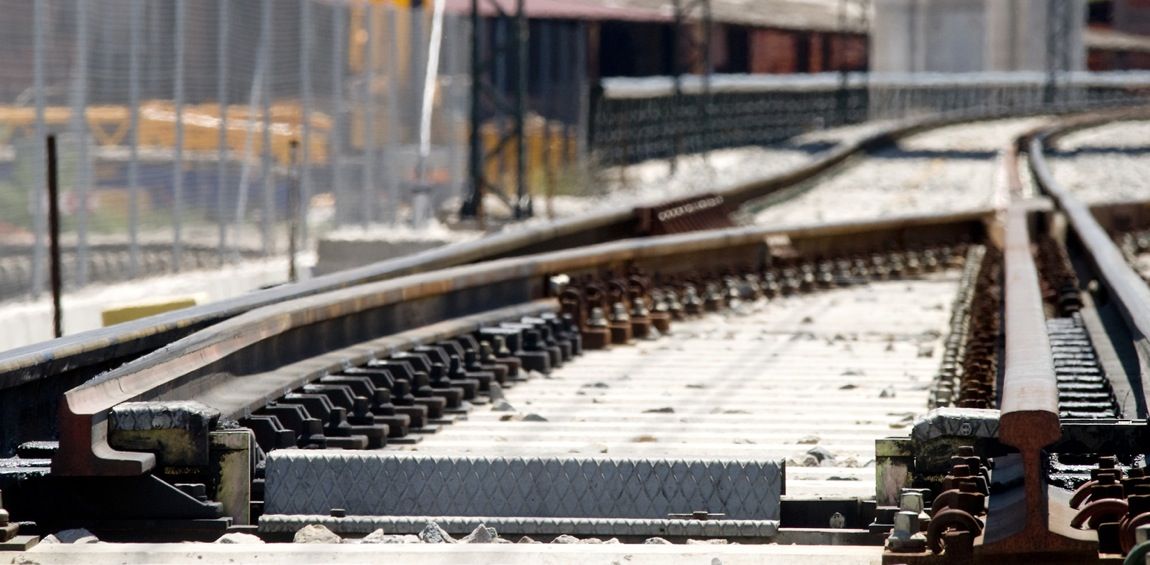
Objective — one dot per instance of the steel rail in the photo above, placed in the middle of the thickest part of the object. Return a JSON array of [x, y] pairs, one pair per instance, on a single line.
[[1123, 285], [427, 298], [72, 355], [1029, 414], [53, 367]]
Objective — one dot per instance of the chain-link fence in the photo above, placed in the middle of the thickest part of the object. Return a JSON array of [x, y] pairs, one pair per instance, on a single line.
[[186, 126], [194, 133], [640, 119]]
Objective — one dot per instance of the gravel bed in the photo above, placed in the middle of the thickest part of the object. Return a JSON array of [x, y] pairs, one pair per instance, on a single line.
[[948, 169], [1110, 163]]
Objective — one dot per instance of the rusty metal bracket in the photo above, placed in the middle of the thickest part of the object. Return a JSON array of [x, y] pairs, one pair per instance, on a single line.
[[703, 212]]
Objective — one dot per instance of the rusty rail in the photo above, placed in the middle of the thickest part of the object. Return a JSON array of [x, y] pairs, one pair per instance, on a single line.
[[1029, 418], [53, 367], [85, 354], [32, 378], [428, 298], [1124, 286]]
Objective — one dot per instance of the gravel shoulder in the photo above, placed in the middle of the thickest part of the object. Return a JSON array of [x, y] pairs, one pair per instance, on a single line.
[[1109, 163], [652, 181], [949, 169]]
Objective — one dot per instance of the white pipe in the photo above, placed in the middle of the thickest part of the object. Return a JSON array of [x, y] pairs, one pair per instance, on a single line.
[[434, 44]]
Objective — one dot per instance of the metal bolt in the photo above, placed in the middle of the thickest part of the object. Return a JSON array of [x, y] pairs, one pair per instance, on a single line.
[[597, 319], [1142, 534], [905, 523], [837, 520], [911, 502]]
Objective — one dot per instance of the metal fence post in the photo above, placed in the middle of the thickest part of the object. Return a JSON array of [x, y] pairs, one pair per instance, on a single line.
[[394, 115], [473, 200], [452, 94], [136, 28], [54, 235], [544, 68], [336, 143], [80, 129], [293, 207], [523, 205], [178, 149], [306, 99], [267, 174], [583, 92], [39, 222], [223, 39], [367, 205]]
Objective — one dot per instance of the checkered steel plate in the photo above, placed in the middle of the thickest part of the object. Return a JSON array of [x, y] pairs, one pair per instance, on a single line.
[[411, 484], [462, 525]]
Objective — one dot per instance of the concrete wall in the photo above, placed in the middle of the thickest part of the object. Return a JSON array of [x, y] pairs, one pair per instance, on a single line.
[[969, 35]]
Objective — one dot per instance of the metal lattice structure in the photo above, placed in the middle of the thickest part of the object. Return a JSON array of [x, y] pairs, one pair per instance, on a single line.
[[854, 17], [691, 54], [487, 98], [1059, 22]]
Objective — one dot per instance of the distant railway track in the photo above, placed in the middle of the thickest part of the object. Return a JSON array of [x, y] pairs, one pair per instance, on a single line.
[[1008, 372]]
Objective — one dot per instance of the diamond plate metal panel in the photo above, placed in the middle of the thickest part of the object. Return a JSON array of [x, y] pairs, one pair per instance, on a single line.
[[162, 415], [462, 525], [410, 484]]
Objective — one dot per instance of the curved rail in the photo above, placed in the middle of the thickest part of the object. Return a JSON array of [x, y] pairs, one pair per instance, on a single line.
[[118, 343], [356, 314], [55, 366], [1124, 286]]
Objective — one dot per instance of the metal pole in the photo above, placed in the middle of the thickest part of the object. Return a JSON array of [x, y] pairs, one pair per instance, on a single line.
[[40, 227], [256, 94], [523, 206], [80, 127], [306, 46], [672, 121], [54, 237], [178, 150], [431, 73], [266, 163], [1052, 44], [453, 97], [367, 207], [543, 68], [416, 63], [223, 39], [842, 92], [339, 37], [583, 119], [473, 203], [500, 83], [395, 116], [419, 204], [293, 210], [705, 94], [135, 41]]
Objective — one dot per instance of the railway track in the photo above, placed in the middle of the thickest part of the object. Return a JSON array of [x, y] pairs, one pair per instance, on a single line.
[[32, 378], [939, 387]]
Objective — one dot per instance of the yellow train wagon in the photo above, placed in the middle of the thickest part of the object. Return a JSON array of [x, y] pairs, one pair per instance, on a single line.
[[110, 126]]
